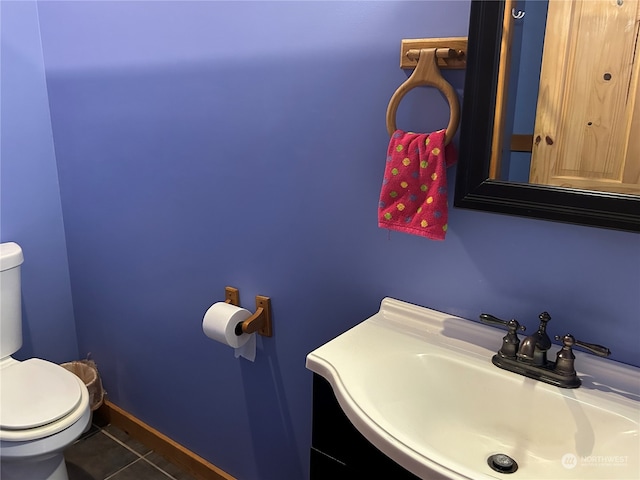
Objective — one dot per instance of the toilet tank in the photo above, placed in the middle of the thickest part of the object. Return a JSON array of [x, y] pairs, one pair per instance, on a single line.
[[10, 302]]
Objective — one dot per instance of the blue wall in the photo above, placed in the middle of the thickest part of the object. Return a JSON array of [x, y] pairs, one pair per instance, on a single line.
[[30, 209], [204, 144]]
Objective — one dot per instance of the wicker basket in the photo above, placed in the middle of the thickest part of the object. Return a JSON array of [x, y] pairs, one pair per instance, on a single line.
[[87, 371]]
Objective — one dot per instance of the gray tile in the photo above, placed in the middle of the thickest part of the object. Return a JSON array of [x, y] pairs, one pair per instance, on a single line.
[[99, 455], [141, 470], [93, 429], [168, 467], [76, 472], [126, 439], [96, 457]]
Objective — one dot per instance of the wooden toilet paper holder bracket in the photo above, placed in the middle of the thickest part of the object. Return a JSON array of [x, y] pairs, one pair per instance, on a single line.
[[260, 322]]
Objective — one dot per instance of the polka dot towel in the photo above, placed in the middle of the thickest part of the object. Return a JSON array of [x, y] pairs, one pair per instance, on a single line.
[[413, 198]]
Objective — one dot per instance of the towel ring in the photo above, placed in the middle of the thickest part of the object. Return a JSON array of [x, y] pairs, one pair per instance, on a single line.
[[426, 73]]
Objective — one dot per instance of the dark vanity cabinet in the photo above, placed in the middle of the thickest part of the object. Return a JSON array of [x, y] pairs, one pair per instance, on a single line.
[[338, 450]]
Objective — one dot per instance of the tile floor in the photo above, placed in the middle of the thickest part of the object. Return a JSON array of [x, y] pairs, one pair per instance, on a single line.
[[108, 453]]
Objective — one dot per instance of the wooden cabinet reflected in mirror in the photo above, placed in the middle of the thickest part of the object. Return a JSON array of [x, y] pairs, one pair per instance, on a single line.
[[578, 60], [551, 121]]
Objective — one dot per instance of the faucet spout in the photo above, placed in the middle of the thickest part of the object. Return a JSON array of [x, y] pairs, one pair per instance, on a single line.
[[533, 349]]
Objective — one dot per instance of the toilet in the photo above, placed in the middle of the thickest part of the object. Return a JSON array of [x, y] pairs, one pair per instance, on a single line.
[[43, 407]]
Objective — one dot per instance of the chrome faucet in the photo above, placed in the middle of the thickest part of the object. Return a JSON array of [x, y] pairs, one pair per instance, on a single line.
[[529, 358]]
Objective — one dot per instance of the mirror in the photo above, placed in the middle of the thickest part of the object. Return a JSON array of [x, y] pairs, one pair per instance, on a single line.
[[486, 177]]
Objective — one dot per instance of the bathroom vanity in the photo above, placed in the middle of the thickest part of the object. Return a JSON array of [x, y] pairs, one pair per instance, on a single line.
[[338, 449], [411, 393]]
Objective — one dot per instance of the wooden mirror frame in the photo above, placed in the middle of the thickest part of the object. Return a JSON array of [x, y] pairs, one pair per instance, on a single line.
[[474, 189]]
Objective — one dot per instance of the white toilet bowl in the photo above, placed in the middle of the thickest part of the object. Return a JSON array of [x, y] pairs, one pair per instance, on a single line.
[[43, 409]]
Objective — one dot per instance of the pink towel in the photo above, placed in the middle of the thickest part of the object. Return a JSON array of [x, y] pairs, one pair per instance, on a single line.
[[413, 198]]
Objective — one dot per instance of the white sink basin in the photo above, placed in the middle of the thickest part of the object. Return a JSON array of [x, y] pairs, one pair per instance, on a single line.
[[420, 386]]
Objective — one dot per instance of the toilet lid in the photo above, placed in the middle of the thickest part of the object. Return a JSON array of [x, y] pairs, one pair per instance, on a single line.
[[36, 392]]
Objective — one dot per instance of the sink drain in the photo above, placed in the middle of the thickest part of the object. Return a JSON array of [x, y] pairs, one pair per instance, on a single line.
[[502, 463]]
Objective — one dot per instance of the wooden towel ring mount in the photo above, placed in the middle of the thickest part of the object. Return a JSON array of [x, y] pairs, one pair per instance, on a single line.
[[427, 73]]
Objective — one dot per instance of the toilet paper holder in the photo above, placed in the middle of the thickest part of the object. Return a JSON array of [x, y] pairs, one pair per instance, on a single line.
[[260, 321]]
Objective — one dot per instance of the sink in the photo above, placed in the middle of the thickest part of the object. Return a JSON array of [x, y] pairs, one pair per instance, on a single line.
[[420, 386]]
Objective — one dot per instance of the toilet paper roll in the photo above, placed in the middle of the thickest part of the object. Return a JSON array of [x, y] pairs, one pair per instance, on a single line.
[[219, 324]]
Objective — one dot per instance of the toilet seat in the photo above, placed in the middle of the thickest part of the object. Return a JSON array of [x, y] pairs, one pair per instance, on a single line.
[[36, 395]]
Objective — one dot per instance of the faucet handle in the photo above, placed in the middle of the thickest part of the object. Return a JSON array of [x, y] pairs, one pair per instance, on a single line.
[[569, 341], [510, 342], [544, 318], [512, 325]]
